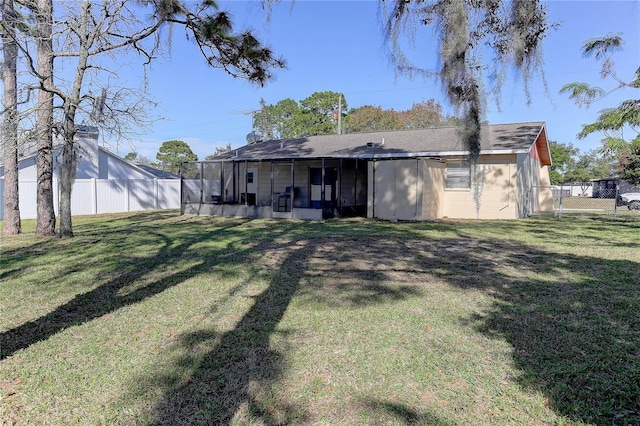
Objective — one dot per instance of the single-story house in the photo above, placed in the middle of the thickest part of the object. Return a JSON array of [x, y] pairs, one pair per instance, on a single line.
[[105, 182], [394, 175], [610, 187]]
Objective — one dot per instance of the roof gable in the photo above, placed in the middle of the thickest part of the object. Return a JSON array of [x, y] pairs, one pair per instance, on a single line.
[[148, 171]]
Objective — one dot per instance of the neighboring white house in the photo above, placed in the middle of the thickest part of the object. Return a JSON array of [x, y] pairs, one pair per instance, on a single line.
[[105, 182]]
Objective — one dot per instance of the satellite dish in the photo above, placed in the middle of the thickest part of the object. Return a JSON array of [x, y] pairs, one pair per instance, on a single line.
[[254, 137]]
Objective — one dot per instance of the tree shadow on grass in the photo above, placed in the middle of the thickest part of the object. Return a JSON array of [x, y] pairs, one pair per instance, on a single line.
[[404, 414], [112, 295], [572, 321], [236, 379], [238, 369]]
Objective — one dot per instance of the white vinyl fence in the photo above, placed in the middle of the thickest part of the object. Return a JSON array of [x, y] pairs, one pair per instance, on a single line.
[[95, 196]]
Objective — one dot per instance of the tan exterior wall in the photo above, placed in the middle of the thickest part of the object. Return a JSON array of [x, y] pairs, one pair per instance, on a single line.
[[534, 191], [433, 196], [545, 196], [407, 189], [394, 189], [494, 181], [382, 189], [415, 190]]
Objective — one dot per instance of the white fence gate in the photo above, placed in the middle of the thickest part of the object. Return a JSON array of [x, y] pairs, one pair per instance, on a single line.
[[95, 196]]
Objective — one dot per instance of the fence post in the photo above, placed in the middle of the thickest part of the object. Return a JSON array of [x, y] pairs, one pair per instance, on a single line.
[[615, 204], [94, 196], [561, 198], [56, 196], [156, 193], [126, 195]]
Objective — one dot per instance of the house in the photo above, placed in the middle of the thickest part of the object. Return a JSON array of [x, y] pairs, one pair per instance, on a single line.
[[105, 182], [610, 187], [394, 175]]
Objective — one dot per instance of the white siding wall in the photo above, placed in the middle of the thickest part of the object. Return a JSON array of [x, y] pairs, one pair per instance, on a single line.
[[95, 196]]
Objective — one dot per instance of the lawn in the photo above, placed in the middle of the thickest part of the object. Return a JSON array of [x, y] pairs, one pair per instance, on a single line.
[[155, 318]]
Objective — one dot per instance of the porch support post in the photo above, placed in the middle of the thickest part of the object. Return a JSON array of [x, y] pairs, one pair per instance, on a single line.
[[246, 183], [355, 185], [223, 195], [373, 207], [199, 165], [292, 195], [339, 194], [322, 186], [235, 180], [221, 179]]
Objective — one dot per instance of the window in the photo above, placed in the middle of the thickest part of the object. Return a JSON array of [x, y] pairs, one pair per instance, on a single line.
[[458, 174], [249, 177]]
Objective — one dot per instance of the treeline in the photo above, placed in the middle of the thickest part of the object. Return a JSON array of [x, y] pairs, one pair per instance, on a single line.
[[570, 166], [325, 113]]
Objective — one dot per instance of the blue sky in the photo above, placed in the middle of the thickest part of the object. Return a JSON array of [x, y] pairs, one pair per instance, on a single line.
[[339, 46]]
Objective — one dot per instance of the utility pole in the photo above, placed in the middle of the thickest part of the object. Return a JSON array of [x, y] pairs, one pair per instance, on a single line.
[[340, 115]]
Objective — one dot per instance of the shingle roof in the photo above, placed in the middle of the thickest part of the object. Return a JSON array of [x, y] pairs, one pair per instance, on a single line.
[[495, 139]]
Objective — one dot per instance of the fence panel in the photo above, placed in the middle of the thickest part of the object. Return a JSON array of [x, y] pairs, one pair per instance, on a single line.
[[168, 194], [27, 196], [112, 195], [142, 194], [599, 204], [83, 197], [95, 196]]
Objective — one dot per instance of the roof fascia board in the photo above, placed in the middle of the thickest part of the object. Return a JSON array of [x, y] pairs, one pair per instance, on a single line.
[[535, 143], [380, 156]]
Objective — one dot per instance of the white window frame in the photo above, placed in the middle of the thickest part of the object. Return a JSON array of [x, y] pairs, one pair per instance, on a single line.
[[458, 175]]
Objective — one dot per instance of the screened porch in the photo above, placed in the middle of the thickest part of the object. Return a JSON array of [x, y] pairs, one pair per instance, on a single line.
[[310, 189]]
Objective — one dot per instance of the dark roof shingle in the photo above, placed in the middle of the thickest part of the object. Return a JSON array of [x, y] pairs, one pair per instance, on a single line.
[[498, 138]]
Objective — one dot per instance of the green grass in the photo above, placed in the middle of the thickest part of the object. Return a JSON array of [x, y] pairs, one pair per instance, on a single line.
[[156, 318]]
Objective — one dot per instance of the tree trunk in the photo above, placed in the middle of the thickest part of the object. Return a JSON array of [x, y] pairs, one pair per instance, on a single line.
[[71, 102], [46, 218], [11, 222], [67, 177]]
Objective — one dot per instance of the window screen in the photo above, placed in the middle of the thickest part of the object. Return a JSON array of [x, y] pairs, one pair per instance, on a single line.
[[458, 174]]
